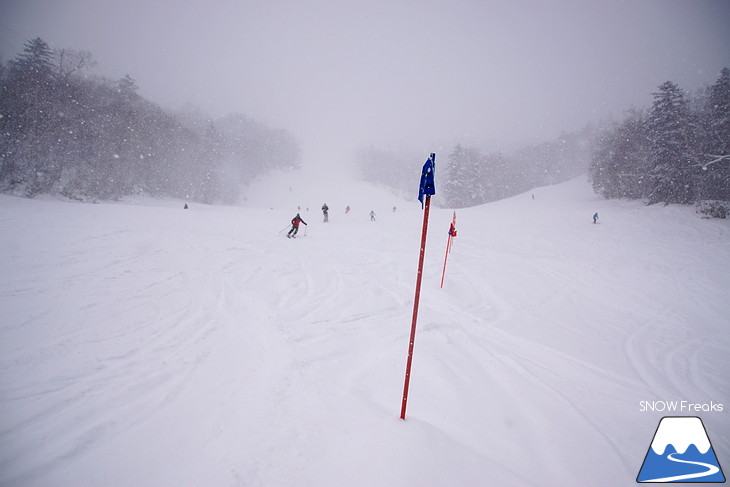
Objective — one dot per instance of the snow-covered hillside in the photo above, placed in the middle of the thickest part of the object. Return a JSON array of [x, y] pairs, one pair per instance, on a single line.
[[146, 345]]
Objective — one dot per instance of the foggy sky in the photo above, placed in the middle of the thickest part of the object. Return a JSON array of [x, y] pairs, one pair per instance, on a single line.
[[419, 74]]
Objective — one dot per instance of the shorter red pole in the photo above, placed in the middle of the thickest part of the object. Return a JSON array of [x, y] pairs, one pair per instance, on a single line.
[[415, 309], [448, 249], [449, 243]]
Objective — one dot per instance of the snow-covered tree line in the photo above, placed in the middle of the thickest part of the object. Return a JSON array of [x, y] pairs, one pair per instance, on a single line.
[[471, 177], [678, 151], [468, 177], [65, 132]]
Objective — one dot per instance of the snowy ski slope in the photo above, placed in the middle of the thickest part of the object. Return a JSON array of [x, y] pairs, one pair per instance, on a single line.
[[146, 345]]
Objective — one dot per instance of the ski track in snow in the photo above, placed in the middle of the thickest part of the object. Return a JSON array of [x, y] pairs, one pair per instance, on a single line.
[[146, 345]]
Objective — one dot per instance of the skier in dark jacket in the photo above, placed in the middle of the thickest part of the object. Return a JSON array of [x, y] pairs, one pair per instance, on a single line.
[[325, 212], [295, 226]]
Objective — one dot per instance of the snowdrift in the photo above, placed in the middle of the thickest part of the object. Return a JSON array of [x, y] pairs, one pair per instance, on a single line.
[[143, 344]]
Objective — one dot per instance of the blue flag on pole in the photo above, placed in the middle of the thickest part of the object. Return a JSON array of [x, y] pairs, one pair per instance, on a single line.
[[427, 185]]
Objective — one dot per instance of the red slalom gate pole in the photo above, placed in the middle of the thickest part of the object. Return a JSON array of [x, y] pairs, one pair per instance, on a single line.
[[448, 249], [449, 244], [415, 308]]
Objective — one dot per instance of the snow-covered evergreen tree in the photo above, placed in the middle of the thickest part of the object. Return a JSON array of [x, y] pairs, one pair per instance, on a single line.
[[28, 96], [618, 168], [716, 154], [35, 65], [673, 163], [453, 181], [463, 179]]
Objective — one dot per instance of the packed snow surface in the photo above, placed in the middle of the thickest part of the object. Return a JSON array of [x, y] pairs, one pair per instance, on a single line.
[[146, 345]]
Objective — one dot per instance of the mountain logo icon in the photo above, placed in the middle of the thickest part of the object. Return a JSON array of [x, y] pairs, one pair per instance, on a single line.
[[680, 452]]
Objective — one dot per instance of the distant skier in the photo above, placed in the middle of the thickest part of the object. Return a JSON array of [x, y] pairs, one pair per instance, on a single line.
[[185, 207], [394, 209], [347, 209], [595, 217], [295, 226], [372, 216], [325, 212], [452, 230]]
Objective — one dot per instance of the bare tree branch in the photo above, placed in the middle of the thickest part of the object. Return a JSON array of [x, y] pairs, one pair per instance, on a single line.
[[716, 159], [70, 61]]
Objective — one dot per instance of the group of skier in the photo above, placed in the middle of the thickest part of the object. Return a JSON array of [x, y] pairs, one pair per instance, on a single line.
[[297, 220]]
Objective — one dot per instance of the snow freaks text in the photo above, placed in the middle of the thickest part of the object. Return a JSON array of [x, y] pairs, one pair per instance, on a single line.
[[680, 407]]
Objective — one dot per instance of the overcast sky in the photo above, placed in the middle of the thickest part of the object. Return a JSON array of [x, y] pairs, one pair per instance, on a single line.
[[420, 74]]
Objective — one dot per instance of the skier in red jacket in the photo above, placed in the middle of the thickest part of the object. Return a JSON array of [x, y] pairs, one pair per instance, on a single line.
[[295, 226]]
